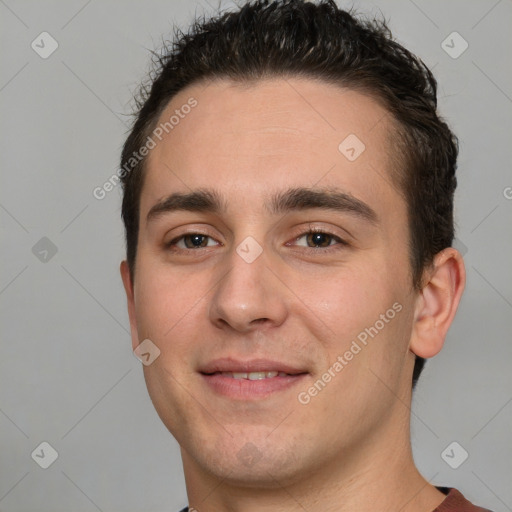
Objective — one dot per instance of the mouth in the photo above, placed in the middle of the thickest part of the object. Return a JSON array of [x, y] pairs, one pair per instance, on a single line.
[[253, 375], [250, 380]]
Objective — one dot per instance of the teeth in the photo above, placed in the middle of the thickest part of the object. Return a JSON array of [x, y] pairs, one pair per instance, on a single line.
[[254, 375], [257, 375]]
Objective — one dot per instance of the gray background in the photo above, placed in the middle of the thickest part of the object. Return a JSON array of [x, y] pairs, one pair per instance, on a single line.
[[67, 374]]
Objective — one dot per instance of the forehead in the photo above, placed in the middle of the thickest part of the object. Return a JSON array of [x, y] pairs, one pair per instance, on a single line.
[[249, 139]]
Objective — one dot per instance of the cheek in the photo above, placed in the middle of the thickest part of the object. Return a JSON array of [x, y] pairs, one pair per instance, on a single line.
[[348, 298], [163, 298], [365, 309]]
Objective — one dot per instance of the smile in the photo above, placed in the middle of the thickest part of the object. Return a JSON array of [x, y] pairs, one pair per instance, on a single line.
[[254, 375]]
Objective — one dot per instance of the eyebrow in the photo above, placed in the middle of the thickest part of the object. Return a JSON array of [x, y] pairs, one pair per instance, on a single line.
[[293, 199], [201, 200], [323, 199]]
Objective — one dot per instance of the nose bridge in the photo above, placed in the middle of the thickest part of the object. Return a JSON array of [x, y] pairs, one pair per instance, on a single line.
[[248, 293]]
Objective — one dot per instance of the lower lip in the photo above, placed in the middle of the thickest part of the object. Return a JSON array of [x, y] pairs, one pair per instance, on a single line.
[[246, 389]]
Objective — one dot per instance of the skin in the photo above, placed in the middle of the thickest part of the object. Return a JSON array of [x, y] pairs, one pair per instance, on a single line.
[[349, 447]]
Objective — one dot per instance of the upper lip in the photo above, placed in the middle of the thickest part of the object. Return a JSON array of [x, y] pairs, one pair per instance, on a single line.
[[229, 364]]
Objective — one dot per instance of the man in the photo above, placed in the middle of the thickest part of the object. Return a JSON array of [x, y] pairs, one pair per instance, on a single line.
[[288, 204]]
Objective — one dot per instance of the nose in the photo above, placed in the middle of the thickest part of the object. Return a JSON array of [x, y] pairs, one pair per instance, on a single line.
[[248, 296]]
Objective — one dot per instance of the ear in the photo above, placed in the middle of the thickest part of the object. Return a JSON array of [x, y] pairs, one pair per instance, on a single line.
[[128, 288], [437, 302]]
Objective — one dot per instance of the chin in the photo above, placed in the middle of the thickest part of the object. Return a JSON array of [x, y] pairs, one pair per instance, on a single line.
[[248, 460]]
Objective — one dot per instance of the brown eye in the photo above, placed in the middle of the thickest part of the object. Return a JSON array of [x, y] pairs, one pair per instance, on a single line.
[[319, 239], [191, 241], [195, 240]]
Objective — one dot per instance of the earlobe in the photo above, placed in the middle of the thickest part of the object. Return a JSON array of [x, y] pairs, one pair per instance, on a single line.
[[130, 299], [437, 302]]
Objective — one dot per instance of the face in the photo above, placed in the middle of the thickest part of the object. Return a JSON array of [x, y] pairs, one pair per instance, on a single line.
[[279, 294]]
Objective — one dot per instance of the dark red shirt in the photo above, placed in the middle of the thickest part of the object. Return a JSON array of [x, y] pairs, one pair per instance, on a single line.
[[455, 502]]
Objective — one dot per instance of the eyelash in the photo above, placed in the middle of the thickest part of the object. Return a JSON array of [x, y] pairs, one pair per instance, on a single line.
[[336, 247], [330, 248]]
